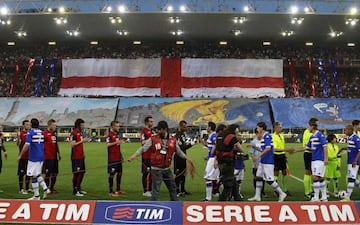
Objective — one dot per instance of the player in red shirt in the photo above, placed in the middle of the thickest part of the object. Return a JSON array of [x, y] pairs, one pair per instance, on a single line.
[[145, 134], [22, 163], [113, 142], [77, 138], [51, 155]]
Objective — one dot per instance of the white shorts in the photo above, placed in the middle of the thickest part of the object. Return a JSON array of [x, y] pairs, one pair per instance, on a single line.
[[318, 168], [239, 174], [210, 172], [352, 171], [266, 171], [34, 169]]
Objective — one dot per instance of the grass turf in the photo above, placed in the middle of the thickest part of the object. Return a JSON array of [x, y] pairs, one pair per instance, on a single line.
[[96, 178]]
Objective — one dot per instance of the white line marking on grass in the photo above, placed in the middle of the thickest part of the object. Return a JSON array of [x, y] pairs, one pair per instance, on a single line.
[[296, 178]]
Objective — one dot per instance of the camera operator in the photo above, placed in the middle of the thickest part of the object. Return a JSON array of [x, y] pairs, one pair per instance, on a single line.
[[225, 159]]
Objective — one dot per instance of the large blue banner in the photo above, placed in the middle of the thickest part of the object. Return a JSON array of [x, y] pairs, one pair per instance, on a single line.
[[138, 212], [332, 113]]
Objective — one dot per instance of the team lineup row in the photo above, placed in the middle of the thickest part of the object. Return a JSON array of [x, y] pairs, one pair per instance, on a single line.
[[225, 161], [39, 153]]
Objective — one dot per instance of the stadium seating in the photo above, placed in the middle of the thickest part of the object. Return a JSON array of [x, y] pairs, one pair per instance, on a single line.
[[346, 62]]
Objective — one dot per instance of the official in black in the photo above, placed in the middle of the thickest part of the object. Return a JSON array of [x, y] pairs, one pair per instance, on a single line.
[[180, 163]]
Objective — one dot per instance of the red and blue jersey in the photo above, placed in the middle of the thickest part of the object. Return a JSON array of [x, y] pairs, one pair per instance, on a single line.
[[353, 148]]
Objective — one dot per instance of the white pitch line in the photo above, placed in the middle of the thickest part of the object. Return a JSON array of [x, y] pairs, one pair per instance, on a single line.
[[296, 178]]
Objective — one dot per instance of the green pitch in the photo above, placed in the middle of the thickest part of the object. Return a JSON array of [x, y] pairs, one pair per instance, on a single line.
[[96, 178]]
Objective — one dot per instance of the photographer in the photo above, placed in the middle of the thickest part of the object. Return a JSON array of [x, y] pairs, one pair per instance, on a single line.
[[225, 155]]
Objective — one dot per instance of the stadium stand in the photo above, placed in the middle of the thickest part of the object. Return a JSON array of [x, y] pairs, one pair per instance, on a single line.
[[345, 59]]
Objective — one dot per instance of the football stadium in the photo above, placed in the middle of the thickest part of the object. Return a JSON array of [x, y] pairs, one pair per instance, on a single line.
[[179, 112]]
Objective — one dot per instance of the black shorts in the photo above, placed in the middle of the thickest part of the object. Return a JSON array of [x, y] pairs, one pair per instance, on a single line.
[[280, 162], [51, 166], [22, 167], [78, 165], [179, 165], [145, 166], [307, 160], [115, 167]]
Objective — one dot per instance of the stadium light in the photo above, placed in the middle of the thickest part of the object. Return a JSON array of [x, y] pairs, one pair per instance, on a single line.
[[122, 32], [5, 22], [115, 19], [248, 9], [179, 42], [335, 34], [73, 33], [122, 9], [106, 9], [309, 44], [223, 43], [60, 20], [294, 9], [266, 43], [353, 11], [351, 21], [183, 8], [177, 33], [11, 43], [52, 43], [20, 33], [4, 11], [240, 19], [174, 19], [287, 33], [94, 42], [169, 8], [137, 42], [309, 9], [61, 9], [236, 32], [350, 44], [297, 20]]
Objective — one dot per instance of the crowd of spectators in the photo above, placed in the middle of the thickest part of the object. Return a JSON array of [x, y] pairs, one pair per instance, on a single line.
[[347, 61]]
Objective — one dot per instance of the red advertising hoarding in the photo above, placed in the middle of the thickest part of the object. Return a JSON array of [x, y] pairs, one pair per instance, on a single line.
[[21, 211], [270, 213]]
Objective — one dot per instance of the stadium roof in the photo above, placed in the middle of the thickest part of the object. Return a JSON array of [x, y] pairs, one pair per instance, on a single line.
[[41, 28]]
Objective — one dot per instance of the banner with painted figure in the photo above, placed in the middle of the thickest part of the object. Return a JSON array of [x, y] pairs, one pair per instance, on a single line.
[[332, 113], [197, 112], [95, 112]]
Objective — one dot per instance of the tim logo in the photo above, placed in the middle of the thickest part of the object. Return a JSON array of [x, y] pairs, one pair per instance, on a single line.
[[138, 213]]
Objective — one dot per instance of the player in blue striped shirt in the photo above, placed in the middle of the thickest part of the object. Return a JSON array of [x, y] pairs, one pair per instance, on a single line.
[[353, 160], [318, 146], [35, 145], [265, 169]]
